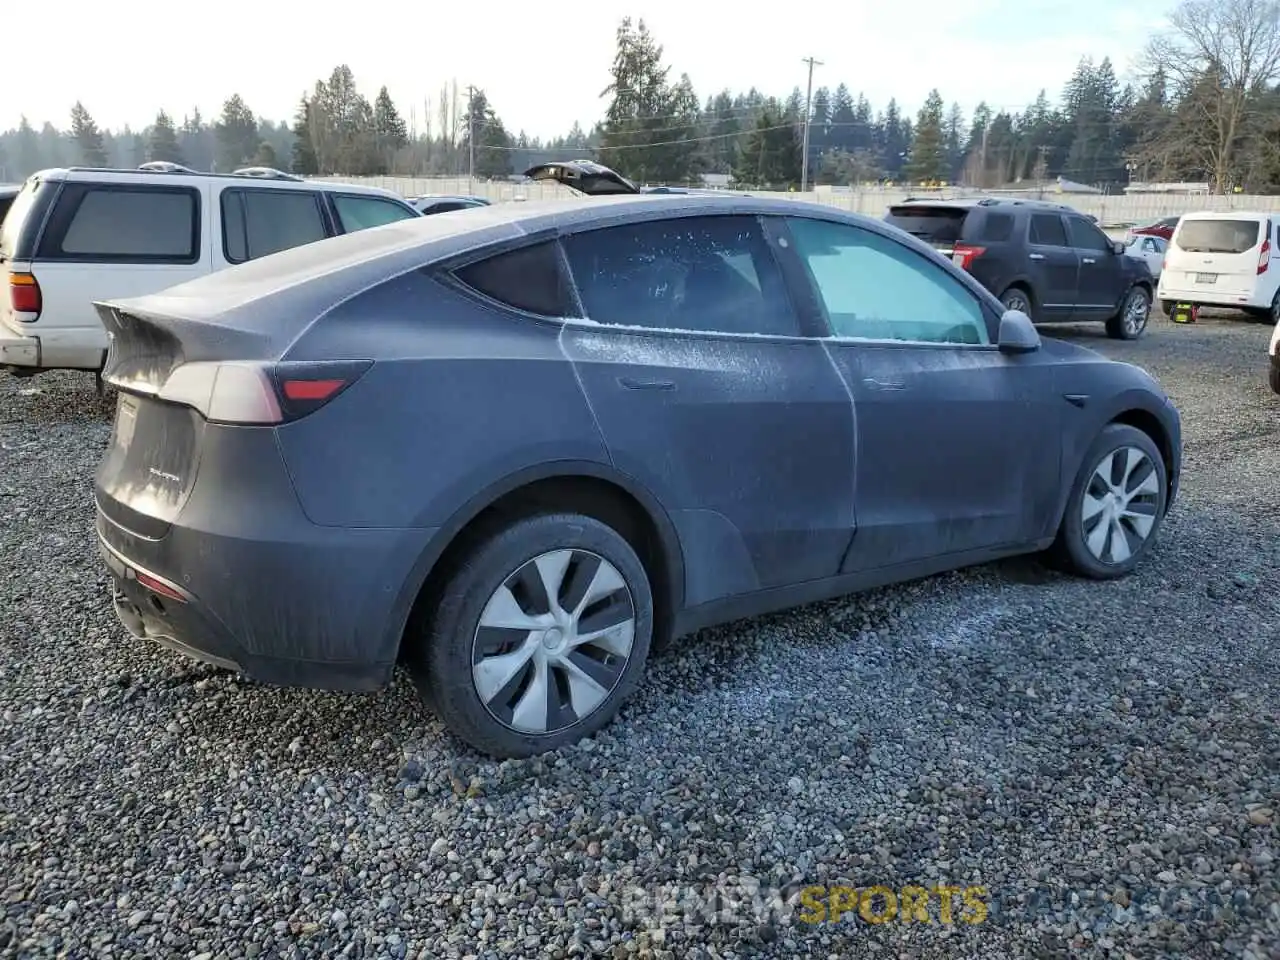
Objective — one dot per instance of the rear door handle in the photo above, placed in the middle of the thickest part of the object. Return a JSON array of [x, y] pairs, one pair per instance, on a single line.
[[1088, 260], [875, 384], [1037, 256], [635, 383]]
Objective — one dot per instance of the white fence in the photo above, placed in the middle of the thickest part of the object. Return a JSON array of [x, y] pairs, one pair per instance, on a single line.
[[1112, 211]]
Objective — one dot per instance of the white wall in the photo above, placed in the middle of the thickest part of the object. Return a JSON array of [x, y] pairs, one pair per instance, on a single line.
[[1111, 211]]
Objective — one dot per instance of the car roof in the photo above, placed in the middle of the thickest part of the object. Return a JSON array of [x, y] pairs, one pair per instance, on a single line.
[[283, 181], [970, 203], [1227, 215], [10, 189], [312, 278]]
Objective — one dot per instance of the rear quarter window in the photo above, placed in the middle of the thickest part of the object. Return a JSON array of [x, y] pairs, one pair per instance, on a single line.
[[257, 223], [996, 227], [531, 279], [124, 224]]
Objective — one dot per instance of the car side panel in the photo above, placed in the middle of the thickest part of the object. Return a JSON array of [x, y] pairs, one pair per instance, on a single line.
[[461, 395]]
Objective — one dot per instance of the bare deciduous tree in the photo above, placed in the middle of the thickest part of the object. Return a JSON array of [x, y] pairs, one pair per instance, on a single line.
[[1220, 55]]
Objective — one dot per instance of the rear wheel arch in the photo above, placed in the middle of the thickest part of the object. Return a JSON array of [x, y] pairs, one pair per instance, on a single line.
[[585, 488]]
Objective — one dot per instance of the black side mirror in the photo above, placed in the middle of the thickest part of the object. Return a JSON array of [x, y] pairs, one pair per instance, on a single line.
[[1017, 333]]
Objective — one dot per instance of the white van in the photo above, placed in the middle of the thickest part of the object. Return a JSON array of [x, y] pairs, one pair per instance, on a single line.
[[79, 234], [1224, 260]]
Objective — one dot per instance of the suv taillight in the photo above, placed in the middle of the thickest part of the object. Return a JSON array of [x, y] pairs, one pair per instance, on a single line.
[[24, 296], [1264, 256], [963, 255]]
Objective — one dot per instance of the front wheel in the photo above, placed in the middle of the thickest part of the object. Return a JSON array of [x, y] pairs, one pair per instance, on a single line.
[[540, 634], [1131, 320], [1115, 507]]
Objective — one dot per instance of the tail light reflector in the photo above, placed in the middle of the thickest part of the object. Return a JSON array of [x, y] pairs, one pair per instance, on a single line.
[[158, 586], [1264, 256], [24, 295], [963, 255], [241, 392]]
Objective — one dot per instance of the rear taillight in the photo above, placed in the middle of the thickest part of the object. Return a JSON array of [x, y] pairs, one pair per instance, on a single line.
[[260, 393], [963, 255], [1264, 256], [24, 295]]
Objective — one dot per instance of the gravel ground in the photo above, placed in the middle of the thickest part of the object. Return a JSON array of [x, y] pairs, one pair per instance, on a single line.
[[1103, 759]]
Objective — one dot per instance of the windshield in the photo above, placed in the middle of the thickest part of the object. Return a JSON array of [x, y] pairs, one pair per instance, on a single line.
[[932, 224], [1218, 236], [12, 221]]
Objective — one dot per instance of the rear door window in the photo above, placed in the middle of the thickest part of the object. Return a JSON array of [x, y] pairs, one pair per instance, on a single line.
[[256, 223], [124, 223], [1047, 230], [940, 225], [531, 279], [1218, 236], [361, 213], [710, 274]]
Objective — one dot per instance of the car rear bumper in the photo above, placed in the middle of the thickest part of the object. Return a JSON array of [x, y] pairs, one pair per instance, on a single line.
[[315, 607], [18, 350], [1207, 296]]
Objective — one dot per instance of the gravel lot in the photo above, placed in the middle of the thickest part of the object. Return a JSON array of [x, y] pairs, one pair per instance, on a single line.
[[1104, 759]]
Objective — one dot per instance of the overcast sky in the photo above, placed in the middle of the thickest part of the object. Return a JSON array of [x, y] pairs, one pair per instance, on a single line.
[[544, 70]]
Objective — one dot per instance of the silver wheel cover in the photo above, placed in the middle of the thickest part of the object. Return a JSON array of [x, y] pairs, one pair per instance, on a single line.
[[553, 641], [1119, 506]]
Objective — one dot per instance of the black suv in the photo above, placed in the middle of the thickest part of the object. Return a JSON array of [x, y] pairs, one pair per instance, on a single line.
[[1046, 259]]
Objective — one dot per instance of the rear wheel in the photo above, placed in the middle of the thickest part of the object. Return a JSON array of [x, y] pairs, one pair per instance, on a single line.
[[1132, 317], [1273, 376], [1115, 507], [540, 634], [1166, 307], [1017, 298]]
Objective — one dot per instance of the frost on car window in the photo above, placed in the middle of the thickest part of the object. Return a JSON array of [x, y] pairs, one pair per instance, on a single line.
[[712, 274]]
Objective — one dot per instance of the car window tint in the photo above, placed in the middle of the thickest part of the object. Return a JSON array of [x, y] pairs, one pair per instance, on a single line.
[[530, 278], [996, 228], [1047, 230], [1085, 236], [361, 213], [126, 223], [256, 223], [874, 288], [714, 274]]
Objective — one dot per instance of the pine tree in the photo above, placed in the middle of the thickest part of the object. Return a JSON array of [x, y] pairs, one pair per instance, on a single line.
[[304, 159], [771, 156], [928, 162], [88, 138], [163, 144], [237, 134], [493, 153]]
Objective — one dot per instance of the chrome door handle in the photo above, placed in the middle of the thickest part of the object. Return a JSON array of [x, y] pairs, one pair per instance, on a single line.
[[1037, 256], [1088, 260]]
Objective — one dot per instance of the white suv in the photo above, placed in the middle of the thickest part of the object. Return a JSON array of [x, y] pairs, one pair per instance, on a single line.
[[77, 235]]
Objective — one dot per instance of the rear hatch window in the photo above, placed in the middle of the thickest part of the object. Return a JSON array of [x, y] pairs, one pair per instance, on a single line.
[[1219, 236], [940, 226]]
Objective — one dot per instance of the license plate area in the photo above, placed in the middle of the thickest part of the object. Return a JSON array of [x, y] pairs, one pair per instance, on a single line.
[[1206, 278]]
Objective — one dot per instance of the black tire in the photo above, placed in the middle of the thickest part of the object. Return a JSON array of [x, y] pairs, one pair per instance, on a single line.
[[1070, 550], [1166, 308], [441, 663], [1122, 326], [1271, 315], [1019, 298], [1273, 377]]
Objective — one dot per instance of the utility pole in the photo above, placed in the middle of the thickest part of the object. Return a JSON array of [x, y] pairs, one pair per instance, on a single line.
[[471, 140], [808, 118]]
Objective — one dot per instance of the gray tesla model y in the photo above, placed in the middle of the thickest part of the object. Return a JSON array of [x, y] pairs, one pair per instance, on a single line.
[[513, 450]]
